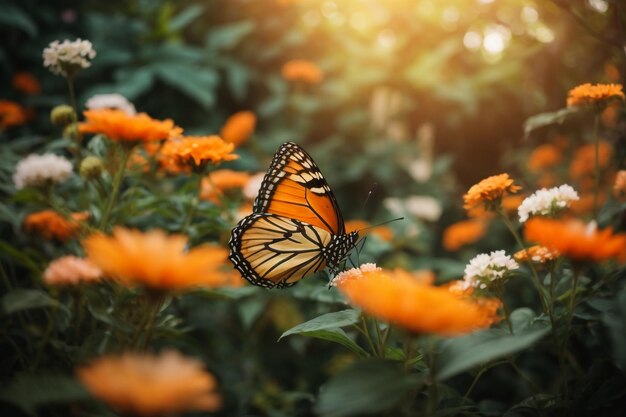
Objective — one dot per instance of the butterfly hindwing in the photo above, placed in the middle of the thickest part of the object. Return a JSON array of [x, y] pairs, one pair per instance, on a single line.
[[295, 188]]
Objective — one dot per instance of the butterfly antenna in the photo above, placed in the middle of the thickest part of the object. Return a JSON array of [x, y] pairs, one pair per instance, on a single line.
[[369, 194], [381, 224]]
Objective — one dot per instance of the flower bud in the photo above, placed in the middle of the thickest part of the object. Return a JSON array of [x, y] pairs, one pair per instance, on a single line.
[[91, 167], [62, 115], [70, 131]]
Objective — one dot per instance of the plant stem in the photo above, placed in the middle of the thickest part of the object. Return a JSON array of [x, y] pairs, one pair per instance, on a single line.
[[77, 136], [471, 387], [596, 188], [366, 332], [117, 182], [156, 308], [194, 204], [568, 325]]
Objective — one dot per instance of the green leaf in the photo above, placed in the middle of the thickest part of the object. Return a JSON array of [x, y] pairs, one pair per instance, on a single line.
[[227, 293], [185, 17], [366, 387], [31, 391], [326, 321], [460, 354], [337, 336], [12, 16], [19, 257], [25, 299], [132, 83], [197, 84], [226, 37], [549, 118]]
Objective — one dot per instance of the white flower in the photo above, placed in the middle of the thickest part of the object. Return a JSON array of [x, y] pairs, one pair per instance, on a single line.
[[545, 202], [68, 56], [35, 170], [111, 101], [251, 190], [354, 273], [421, 207], [488, 267]]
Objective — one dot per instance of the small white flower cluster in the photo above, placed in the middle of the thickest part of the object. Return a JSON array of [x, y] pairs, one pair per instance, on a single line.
[[36, 170], [61, 57], [546, 201], [485, 268], [111, 101], [418, 206], [354, 273]]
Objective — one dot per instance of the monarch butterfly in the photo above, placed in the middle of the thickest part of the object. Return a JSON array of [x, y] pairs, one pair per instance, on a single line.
[[296, 227]]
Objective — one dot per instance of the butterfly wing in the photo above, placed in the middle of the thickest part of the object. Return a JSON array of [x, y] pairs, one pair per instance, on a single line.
[[276, 251], [295, 188]]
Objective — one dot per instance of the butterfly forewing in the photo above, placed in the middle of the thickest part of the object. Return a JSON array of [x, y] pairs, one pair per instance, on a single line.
[[295, 188]]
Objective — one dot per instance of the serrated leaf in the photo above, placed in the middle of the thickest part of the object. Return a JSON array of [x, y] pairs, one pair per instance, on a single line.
[[326, 321], [549, 118], [26, 299], [28, 391], [460, 354], [366, 387]]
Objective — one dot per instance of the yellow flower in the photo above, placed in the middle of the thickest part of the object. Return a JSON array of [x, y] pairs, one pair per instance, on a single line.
[[51, 225], [197, 150], [463, 233], [117, 125], [538, 254], [71, 270], [414, 303], [576, 240], [151, 385], [239, 127], [490, 191], [155, 260], [593, 93], [302, 70], [217, 182]]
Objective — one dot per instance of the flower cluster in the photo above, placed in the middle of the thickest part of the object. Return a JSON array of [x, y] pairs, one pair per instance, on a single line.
[[547, 202], [463, 233], [214, 185], [117, 125], [485, 268], [151, 385], [238, 127], [67, 57], [51, 225], [38, 170], [593, 93], [71, 270], [11, 114], [490, 191], [538, 254], [197, 150], [302, 70], [111, 101], [354, 273]]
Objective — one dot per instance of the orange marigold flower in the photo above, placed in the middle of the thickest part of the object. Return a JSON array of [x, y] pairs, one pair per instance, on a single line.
[[415, 304], [71, 270], [383, 232], [51, 225], [544, 156], [11, 114], [593, 93], [576, 240], [537, 253], [302, 70], [463, 233], [198, 149], [584, 162], [619, 187], [238, 127], [26, 83], [117, 125], [151, 385], [155, 260], [217, 182], [490, 190]]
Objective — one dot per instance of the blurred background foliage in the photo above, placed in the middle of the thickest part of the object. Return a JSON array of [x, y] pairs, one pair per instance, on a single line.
[[420, 98]]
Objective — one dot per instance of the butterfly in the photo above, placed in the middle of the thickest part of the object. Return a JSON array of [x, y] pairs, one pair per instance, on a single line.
[[296, 227]]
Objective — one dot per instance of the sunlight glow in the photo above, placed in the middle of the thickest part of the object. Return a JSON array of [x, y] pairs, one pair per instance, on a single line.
[[494, 43], [472, 40], [599, 5]]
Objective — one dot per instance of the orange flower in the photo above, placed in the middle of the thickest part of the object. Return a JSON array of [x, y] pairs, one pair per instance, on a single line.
[[584, 162], [71, 270], [117, 125], [217, 182], [538, 254], [383, 232], [151, 385], [155, 260], [576, 240], [26, 83], [239, 127], [11, 114], [619, 187], [302, 70], [584, 205], [463, 233], [490, 190], [544, 156], [610, 114], [197, 149], [51, 225], [593, 93], [415, 304]]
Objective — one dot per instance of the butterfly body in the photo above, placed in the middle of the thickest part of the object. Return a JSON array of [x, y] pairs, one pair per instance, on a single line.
[[296, 227]]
